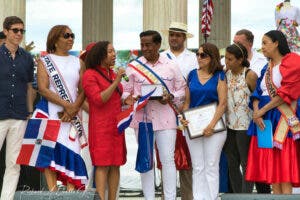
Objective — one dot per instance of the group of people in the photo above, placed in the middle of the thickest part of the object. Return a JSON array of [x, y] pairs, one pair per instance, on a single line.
[[248, 90]]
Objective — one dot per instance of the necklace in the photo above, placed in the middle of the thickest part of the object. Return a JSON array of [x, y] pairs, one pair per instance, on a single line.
[[206, 76]]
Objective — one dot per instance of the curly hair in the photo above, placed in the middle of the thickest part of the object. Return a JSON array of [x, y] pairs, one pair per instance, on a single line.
[[97, 54]]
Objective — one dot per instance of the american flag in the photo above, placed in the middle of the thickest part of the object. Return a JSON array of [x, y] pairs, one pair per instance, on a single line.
[[207, 13]]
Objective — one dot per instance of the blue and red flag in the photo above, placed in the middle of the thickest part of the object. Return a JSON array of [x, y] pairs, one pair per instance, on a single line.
[[41, 109], [39, 141], [124, 118]]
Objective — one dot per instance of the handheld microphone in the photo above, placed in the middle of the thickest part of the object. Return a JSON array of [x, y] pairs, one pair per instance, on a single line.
[[124, 76]]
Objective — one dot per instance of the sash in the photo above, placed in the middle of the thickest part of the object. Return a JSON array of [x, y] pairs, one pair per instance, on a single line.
[[169, 56], [59, 85], [152, 78], [288, 120]]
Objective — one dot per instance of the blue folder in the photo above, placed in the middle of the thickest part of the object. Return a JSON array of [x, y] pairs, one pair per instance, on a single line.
[[265, 137]]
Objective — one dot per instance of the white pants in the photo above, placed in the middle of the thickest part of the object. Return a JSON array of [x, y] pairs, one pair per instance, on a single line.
[[205, 155], [165, 140], [296, 190], [13, 130]]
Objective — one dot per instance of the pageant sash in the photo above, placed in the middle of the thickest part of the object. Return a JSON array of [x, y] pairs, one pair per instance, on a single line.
[[288, 120], [147, 71], [152, 78], [59, 85]]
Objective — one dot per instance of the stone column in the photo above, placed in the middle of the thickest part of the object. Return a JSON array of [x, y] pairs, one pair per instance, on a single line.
[[13, 8], [158, 14], [220, 26], [97, 21]]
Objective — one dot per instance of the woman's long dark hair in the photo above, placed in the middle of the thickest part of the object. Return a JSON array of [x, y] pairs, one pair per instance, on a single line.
[[278, 36], [213, 52]]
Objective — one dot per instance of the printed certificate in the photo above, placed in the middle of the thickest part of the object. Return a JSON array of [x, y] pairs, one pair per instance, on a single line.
[[158, 93], [199, 118]]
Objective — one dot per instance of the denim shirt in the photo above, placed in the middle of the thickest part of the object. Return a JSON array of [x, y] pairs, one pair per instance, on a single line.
[[14, 76]]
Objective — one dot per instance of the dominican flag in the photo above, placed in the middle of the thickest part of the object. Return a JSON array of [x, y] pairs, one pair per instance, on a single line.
[[39, 141], [207, 13], [124, 118], [41, 109]]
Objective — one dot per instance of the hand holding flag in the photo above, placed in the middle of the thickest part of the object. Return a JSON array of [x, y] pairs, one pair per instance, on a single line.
[[124, 118]]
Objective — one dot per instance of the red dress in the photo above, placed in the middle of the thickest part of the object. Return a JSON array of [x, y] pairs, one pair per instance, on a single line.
[[273, 165], [107, 146]]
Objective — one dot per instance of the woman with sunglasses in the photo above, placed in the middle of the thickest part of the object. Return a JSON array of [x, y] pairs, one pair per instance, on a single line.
[[206, 85], [103, 90], [241, 82], [66, 164]]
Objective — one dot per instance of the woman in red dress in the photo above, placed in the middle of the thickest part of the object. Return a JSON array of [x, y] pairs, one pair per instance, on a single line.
[[276, 100], [103, 91]]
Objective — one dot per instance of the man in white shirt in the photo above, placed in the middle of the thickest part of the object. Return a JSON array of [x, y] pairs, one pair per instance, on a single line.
[[257, 60], [187, 61]]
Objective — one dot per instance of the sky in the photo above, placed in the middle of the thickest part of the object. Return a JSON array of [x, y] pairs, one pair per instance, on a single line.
[[43, 14]]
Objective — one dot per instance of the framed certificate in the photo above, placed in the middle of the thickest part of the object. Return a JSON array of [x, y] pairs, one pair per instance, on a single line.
[[158, 93], [199, 118]]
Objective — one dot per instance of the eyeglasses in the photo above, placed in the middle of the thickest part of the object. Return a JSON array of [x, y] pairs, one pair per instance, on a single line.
[[16, 30], [68, 35], [202, 55]]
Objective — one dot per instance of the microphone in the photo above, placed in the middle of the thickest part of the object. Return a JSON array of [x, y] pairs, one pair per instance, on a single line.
[[124, 76]]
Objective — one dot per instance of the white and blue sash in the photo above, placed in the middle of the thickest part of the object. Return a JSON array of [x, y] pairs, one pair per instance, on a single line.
[[59, 85]]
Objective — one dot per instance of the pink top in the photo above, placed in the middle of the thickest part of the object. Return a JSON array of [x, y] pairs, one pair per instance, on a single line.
[[161, 116]]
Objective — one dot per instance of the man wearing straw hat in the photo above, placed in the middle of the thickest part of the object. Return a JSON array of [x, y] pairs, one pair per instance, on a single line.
[[177, 35]]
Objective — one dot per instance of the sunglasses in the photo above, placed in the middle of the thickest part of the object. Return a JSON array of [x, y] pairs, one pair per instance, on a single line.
[[202, 55], [68, 35], [16, 30]]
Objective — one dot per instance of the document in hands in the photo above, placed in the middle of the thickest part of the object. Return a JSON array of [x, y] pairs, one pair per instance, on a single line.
[[200, 117], [265, 137], [158, 93]]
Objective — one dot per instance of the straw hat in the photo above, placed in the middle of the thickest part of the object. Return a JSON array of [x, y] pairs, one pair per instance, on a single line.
[[178, 27]]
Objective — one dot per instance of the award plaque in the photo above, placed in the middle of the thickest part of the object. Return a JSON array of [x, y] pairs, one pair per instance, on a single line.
[[158, 93], [199, 118]]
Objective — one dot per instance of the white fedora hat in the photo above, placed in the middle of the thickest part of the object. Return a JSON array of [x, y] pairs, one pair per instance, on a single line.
[[180, 28]]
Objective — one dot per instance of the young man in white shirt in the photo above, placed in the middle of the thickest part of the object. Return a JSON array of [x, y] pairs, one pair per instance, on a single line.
[[187, 61]]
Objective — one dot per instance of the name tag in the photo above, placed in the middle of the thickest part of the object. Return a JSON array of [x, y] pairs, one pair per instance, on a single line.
[[157, 94]]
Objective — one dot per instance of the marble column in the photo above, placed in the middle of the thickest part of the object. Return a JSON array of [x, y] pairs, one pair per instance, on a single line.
[[97, 21], [220, 26], [158, 14], [13, 8]]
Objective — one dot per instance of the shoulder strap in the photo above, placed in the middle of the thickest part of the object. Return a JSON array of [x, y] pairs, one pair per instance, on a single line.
[[110, 81], [247, 70]]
